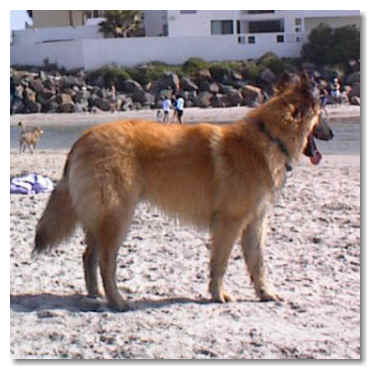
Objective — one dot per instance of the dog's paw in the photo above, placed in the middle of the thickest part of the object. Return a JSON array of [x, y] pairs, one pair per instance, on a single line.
[[223, 297], [121, 308], [266, 294]]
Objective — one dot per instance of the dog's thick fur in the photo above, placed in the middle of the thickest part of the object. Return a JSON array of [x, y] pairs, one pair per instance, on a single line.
[[223, 178], [29, 137]]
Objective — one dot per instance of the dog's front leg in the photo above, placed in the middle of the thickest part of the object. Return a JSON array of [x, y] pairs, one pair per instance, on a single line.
[[252, 247], [224, 233]]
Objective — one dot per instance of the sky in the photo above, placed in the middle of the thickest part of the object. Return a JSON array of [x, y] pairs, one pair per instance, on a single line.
[[18, 19]]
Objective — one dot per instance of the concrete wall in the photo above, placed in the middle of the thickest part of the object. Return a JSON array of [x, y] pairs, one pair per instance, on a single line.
[[94, 53], [31, 36], [196, 24], [68, 54]]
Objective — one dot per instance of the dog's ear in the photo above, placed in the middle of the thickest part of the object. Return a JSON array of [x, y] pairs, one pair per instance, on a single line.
[[282, 84], [309, 87]]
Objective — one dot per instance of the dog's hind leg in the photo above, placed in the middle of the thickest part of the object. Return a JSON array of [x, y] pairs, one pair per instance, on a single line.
[[90, 263], [224, 233], [110, 235], [252, 247]]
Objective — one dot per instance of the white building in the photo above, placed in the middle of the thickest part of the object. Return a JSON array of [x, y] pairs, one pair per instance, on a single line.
[[179, 23], [173, 36]]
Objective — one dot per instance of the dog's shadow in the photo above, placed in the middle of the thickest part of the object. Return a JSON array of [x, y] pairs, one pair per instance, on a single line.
[[44, 302]]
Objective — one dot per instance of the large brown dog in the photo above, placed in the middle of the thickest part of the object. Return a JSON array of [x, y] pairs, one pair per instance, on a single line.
[[219, 177]]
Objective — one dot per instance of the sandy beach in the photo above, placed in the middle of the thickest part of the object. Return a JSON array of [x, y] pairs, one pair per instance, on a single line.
[[312, 253]]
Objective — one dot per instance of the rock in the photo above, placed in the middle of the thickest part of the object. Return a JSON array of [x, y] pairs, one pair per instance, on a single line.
[[126, 102], [169, 80], [45, 94], [81, 107], [164, 93], [203, 100], [268, 76], [130, 86], [36, 85], [19, 106], [51, 106], [102, 104], [355, 91], [82, 95], [203, 75], [234, 98], [33, 107], [213, 88], [221, 74], [67, 108], [353, 78], [218, 101], [226, 89], [236, 76], [29, 95], [310, 67], [144, 98], [19, 92], [49, 83], [188, 85], [70, 81], [64, 99], [252, 95]]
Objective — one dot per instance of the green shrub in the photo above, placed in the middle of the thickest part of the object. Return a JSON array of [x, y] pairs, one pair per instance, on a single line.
[[251, 71], [332, 46], [152, 71], [193, 65], [273, 62], [110, 73]]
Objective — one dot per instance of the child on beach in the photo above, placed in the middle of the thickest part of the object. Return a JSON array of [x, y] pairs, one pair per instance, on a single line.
[[166, 106], [179, 108]]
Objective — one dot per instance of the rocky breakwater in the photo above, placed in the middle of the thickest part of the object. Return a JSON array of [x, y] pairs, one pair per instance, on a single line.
[[53, 91]]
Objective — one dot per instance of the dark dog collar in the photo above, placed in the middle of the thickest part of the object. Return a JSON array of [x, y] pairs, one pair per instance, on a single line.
[[277, 141]]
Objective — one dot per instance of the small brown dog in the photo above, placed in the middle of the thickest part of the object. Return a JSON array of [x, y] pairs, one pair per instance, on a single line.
[[29, 137]]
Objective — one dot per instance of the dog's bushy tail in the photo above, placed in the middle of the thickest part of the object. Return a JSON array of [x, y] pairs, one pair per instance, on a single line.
[[58, 220]]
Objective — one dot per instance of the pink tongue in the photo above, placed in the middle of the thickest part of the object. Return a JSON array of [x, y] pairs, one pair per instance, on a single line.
[[315, 159]]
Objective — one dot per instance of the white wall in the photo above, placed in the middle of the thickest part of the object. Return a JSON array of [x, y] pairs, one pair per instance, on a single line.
[[37, 35], [68, 54], [94, 53], [198, 23]]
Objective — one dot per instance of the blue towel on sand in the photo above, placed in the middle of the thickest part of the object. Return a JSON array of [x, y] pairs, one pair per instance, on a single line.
[[30, 184]]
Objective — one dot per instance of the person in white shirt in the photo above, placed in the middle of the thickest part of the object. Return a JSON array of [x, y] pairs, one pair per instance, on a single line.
[[179, 108], [166, 106]]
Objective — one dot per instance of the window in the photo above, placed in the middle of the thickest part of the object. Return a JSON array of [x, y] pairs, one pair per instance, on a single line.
[[241, 39], [279, 38], [188, 11], [267, 26], [222, 27], [251, 39], [260, 11]]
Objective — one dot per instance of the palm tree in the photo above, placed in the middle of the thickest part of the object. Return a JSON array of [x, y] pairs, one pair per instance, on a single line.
[[120, 23]]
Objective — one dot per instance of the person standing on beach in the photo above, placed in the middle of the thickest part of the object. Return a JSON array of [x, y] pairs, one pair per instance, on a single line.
[[335, 90], [179, 108], [166, 106]]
